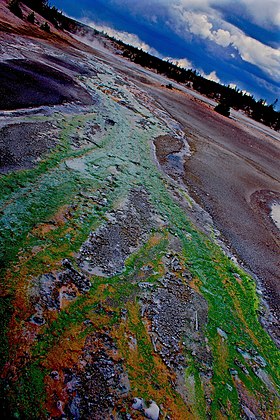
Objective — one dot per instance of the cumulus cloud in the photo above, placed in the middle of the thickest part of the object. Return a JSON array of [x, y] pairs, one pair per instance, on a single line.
[[184, 63], [221, 37], [254, 52], [249, 49], [207, 19], [211, 76], [198, 24]]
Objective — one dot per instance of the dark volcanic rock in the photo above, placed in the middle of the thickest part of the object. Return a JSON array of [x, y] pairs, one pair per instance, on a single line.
[[25, 83]]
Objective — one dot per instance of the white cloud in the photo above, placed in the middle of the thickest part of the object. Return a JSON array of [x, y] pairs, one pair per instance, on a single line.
[[254, 52], [211, 76], [263, 12], [201, 18], [221, 37], [249, 49], [184, 63], [198, 24]]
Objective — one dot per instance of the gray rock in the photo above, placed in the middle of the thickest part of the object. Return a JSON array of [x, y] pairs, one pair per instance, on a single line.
[[54, 375], [248, 413], [260, 361], [37, 320], [138, 404], [152, 412], [222, 333]]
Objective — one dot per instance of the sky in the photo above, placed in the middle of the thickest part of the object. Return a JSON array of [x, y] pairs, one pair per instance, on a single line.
[[231, 42]]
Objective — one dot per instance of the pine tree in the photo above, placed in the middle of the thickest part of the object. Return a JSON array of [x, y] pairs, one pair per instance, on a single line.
[[45, 27], [31, 17], [15, 8], [223, 107]]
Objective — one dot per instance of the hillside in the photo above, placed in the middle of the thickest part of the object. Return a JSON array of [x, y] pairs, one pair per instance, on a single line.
[[139, 258]]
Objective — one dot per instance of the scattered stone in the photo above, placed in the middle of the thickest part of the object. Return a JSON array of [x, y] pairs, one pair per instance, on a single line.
[[152, 412], [50, 289], [70, 274], [248, 413], [54, 375], [105, 251], [87, 322], [36, 139], [175, 264], [138, 404], [97, 383], [174, 311], [186, 275], [146, 285], [124, 314], [244, 353], [260, 361], [222, 333], [45, 294], [147, 268], [253, 352], [241, 366], [110, 122]]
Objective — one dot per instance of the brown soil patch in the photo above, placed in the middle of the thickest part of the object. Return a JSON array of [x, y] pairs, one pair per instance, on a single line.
[[166, 145]]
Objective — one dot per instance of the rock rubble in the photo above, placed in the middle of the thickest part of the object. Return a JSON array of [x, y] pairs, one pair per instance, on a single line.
[[105, 251]]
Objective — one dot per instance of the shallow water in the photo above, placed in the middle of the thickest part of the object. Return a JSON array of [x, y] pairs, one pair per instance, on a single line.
[[275, 214]]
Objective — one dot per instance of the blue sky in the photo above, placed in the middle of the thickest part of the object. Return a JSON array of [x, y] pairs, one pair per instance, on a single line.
[[234, 42]]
